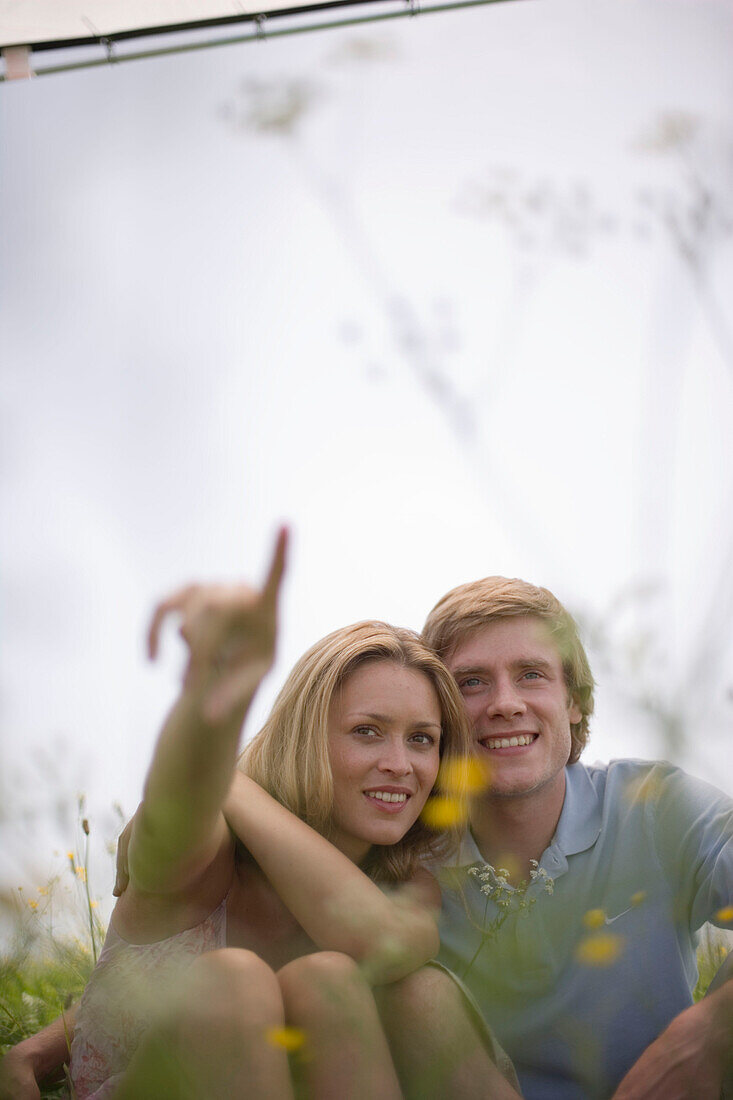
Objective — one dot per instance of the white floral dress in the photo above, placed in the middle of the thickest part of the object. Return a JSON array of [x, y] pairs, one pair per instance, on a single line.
[[127, 991]]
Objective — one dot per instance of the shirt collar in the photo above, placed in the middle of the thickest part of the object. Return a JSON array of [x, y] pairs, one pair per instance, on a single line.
[[580, 821], [577, 830]]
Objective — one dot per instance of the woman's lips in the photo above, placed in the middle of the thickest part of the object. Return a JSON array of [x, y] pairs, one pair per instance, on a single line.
[[386, 800]]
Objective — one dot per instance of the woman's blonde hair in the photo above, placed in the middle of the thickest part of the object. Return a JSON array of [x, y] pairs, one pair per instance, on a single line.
[[467, 608], [289, 756]]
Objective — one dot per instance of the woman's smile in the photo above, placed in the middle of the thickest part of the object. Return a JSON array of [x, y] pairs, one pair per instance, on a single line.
[[389, 799]]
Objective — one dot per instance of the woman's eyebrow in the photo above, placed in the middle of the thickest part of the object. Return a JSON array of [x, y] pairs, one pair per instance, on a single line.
[[386, 718]]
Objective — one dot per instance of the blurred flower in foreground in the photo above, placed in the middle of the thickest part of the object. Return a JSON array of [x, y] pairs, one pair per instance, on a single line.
[[444, 811], [286, 1038], [638, 898], [645, 789], [594, 919], [600, 950], [725, 914], [459, 776]]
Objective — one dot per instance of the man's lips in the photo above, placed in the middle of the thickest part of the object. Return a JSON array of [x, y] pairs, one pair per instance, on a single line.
[[389, 799], [521, 739]]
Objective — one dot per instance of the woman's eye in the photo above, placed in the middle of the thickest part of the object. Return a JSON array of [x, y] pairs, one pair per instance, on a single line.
[[423, 738], [365, 731]]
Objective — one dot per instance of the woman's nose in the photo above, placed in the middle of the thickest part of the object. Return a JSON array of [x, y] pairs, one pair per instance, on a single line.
[[395, 759]]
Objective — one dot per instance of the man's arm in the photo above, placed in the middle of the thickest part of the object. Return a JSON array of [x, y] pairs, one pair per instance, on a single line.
[[690, 1058], [37, 1060], [694, 1054]]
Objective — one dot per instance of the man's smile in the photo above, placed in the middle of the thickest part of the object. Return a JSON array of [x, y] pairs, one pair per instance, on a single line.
[[508, 741]]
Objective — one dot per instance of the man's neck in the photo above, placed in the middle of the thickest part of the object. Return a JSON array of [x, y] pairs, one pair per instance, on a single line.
[[512, 830]]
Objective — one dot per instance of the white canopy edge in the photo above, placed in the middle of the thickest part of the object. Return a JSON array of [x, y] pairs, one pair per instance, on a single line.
[[59, 23]]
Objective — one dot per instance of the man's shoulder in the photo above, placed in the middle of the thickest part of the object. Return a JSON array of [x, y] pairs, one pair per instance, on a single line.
[[651, 786], [619, 773]]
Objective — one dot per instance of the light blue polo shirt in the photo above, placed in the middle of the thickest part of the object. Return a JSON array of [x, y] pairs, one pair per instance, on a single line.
[[574, 1006]]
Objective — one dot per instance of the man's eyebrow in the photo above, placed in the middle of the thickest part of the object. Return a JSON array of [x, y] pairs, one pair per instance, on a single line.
[[540, 663], [534, 662], [385, 718], [468, 670]]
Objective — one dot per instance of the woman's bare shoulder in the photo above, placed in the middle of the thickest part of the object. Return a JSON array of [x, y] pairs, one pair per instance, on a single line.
[[145, 917]]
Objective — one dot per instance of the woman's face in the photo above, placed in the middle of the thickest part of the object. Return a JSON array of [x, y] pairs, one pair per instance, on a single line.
[[384, 746]]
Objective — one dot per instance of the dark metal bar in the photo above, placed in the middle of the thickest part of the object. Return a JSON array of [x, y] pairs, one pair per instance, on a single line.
[[232, 40]]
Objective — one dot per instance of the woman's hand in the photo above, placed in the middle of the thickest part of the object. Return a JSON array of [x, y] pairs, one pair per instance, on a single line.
[[17, 1079], [230, 632]]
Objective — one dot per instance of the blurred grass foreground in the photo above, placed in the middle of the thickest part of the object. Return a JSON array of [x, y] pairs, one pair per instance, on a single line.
[[53, 951]]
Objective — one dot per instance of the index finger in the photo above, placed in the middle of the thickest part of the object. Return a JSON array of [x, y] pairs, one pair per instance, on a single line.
[[277, 566]]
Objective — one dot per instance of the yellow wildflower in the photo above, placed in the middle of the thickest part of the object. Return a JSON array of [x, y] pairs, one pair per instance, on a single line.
[[81, 873], [458, 776], [594, 919], [33, 905], [600, 950], [287, 1038], [725, 914], [443, 811], [646, 788], [638, 898]]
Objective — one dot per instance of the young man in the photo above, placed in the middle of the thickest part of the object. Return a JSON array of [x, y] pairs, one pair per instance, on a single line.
[[586, 973]]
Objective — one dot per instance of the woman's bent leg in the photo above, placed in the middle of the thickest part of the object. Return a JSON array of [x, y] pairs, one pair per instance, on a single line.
[[437, 1048], [214, 1044], [345, 1053]]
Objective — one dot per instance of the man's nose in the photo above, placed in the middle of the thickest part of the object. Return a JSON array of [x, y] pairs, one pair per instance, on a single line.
[[506, 700]]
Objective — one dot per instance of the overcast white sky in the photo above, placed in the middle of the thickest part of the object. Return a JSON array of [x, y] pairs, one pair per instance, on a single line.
[[456, 302]]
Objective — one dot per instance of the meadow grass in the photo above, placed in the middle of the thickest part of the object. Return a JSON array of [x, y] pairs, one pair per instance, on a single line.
[[37, 988], [44, 970]]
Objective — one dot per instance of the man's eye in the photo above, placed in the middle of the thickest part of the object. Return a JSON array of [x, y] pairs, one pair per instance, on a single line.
[[470, 682], [531, 674]]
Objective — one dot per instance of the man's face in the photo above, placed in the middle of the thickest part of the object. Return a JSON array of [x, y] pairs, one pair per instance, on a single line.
[[512, 682]]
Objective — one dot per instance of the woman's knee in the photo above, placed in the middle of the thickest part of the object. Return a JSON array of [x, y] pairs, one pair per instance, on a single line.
[[325, 984], [231, 988]]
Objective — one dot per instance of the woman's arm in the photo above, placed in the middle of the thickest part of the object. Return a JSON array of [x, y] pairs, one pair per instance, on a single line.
[[37, 1060], [230, 631], [336, 904]]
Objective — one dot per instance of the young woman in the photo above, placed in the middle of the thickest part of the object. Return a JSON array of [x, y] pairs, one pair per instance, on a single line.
[[216, 945]]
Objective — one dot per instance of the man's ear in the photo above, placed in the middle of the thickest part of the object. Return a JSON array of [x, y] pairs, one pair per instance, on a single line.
[[575, 714]]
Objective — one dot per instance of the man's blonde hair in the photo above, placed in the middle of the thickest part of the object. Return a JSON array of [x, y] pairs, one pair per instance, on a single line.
[[470, 606], [289, 756]]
